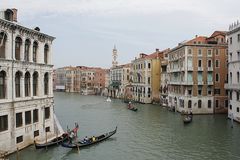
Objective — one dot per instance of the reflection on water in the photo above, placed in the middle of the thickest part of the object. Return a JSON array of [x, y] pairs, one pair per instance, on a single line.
[[152, 133]]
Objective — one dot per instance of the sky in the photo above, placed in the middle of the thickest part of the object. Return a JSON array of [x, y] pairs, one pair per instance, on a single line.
[[87, 30]]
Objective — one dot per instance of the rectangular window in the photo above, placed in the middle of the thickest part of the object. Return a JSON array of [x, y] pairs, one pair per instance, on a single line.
[[189, 92], [19, 119], [226, 103], [199, 63], [230, 40], [3, 123], [217, 103], [230, 95], [199, 92], [28, 117], [238, 37], [149, 65], [47, 129], [149, 80], [217, 63], [36, 133], [47, 112], [19, 139], [209, 104], [216, 52], [209, 63], [238, 109], [209, 77], [216, 91], [35, 115], [199, 52], [209, 52], [209, 91], [237, 96]]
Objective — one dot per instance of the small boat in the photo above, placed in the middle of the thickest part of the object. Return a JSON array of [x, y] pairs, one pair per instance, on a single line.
[[53, 142], [187, 119], [108, 99], [133, 109], [89, 142]]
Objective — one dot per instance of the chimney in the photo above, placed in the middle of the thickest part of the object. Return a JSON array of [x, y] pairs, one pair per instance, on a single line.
[[157, 50], [196, 36], [14, 14]]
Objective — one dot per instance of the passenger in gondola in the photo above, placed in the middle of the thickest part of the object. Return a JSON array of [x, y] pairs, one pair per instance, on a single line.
[[85, 140], [71, 137], [93, 139], [191, 114], [129, 105]]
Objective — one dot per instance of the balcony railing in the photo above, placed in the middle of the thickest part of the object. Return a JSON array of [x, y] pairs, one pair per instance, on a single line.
[[232, 86]]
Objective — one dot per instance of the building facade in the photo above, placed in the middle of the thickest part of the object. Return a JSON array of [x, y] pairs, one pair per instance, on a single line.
[[164, 80], [196, 79], [146, 77], [26, 95], [233, 85]]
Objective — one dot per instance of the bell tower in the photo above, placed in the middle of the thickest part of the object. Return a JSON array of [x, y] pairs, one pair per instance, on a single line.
[[114, 55]]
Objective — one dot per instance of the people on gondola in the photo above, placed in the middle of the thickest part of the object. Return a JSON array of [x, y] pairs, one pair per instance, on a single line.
[[191, 114], [130, 105], [71, 137], [93, 139]]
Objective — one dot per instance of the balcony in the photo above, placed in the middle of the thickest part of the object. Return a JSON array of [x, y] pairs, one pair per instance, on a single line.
[[210, 83], [187, 83], [190, 68], [200, 82], [175, 82], [210, 69], [200, 69], [232, 86]]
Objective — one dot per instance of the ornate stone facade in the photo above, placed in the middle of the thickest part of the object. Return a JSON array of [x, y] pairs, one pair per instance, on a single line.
[[26, 96]]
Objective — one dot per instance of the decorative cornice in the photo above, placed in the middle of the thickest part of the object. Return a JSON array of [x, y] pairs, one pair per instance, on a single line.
[[13, 26]]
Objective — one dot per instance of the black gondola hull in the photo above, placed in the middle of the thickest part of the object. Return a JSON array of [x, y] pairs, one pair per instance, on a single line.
[[81, 144]]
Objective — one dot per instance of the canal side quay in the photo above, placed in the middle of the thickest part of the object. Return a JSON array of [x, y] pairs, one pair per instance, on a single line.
[[197, 76]]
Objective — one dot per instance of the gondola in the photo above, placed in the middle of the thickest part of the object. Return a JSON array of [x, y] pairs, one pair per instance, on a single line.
[[53, 142], [133, 109], [89, 142], [187, 119]]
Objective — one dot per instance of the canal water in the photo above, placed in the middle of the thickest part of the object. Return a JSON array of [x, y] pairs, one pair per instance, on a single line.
[[151, 133]]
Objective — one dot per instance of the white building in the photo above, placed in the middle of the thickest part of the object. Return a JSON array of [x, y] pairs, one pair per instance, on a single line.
[[233, 85], [26, 95]]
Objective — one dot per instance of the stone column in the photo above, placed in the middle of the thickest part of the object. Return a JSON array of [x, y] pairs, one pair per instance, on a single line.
[[50, 54], [40, 53], [8, 47], [50, 84], [22, 89], [40, 85], [13, 86]]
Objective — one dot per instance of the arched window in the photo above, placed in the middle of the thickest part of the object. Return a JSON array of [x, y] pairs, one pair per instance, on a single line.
[[27, 49], [18, 43], [46, 49], [230, 77], [2, 85], [189, 104], [35, 83], [46, 84], [27, 84], [238, 78], [199, 104], [217, 77], [35, 48], [18, 84], [209, 104], [3, 39]]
